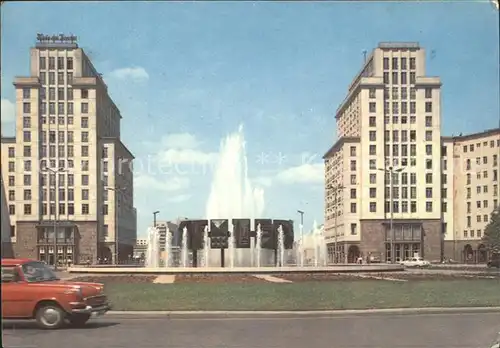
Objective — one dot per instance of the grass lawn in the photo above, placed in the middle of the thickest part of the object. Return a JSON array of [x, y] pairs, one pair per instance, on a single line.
[[305, 295]]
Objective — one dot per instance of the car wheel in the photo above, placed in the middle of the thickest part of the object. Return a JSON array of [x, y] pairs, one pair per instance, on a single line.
[[79, 319], [50, 316]]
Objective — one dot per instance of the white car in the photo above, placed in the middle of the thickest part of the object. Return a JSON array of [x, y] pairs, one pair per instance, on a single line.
[[415, 262]]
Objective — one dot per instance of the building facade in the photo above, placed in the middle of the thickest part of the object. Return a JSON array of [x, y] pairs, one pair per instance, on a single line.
[[470, 192], [67, 174], [386, 169]]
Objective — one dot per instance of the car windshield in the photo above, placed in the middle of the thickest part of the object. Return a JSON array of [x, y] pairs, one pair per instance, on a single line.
[[38, 272]]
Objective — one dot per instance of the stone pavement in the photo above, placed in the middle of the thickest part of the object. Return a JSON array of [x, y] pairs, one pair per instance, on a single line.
[[461, 330]]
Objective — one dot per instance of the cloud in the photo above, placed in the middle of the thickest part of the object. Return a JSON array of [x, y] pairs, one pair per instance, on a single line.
[[186, 156], [180, 141], [180, 198], [183, 149], [309, 173], [263, 181], [8, 111], [133, 73], [170, 184]]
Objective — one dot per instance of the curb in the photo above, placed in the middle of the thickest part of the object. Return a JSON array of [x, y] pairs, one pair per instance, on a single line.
[[193, 314]]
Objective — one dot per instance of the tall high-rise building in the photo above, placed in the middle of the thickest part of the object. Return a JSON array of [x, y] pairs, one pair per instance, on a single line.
[[386, 194], [67, 174]]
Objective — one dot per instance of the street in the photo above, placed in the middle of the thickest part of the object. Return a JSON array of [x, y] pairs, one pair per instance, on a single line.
[[468, 330]]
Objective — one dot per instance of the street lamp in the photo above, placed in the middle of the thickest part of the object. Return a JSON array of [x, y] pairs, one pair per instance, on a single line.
[[56, 208], [336, 189], [116, 190], [391, 170], [154, 217]]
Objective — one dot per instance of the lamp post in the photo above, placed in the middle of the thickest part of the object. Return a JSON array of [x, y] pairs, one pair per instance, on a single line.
[[116, 190], [56, 203], [336, 189], [154, 217], [391, 170]]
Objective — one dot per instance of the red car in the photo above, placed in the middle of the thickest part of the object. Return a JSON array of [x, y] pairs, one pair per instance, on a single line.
[[31, 290]]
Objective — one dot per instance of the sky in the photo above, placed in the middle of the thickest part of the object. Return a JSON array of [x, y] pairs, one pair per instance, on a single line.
[[187, 74]]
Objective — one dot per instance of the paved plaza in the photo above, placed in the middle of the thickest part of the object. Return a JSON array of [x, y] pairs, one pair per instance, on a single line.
[[468, 330]]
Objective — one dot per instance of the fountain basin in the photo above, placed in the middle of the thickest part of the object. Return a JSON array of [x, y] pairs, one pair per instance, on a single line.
[[339, 268]]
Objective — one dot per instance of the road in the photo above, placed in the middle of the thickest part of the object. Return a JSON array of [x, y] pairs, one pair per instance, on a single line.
[[469, 330]]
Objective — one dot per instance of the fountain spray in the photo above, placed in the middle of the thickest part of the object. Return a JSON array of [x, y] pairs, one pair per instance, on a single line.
[[184, 250], [258, 244]]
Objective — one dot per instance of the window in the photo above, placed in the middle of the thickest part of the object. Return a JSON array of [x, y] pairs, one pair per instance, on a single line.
[[105, 230], [412, 78], [27, 195], [12, 209], [413, 207], [428, 150], [27, 151], [26, 108], [43, 63], [12, 167], [372, 93], [428, 192], [353, 193], [353, 165], [85, 165], [60, 78], [85, 94], [105, 209], [373, 207], [354, 229], [373, 107], [85, 209], [373, 192], [52, 62], [69, 63], [85, 122], [373, 178], [27, 209], [85, 151], [404, 79], [52, 78], [428, 106], [60, 62], [386, 63], [372, 135], [444, 207], [373, 150], [428, 92], [353, 208], [71, 209], [84, 108], [428, 178], [85, 137], [27, 165], [428, 135], [85, 194], [394, 78], [85, 179], [372, 121]]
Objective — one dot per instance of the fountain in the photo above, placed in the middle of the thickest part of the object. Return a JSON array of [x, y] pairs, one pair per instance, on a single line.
[[206, 248], [232, 195], [258, 244], [281, 247], [184, 247], [168, 248], [153, 250]]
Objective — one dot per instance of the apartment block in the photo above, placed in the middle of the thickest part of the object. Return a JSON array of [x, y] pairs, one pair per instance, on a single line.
[[394, 187], [470, 192], [67, 174], [386, 164]]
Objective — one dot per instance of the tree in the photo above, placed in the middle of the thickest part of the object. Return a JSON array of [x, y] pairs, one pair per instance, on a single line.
[[492, 232]]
